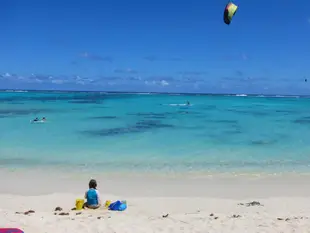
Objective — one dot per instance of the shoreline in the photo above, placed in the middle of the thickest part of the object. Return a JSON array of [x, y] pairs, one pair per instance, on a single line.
[[68, 170], [220, 185]]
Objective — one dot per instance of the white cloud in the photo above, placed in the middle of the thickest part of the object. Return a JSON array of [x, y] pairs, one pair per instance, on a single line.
[[159, 83], [80, 82], [111, 83], [7, 75], [57, 81], [164, 83]]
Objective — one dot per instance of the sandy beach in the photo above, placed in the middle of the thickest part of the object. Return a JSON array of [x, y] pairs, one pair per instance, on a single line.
[[204, 204]]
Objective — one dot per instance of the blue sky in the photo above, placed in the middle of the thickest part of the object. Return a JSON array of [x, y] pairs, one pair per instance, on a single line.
[[155, 45]]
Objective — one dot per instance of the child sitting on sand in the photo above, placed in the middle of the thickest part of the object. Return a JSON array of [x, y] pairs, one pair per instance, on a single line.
[[92, 196]]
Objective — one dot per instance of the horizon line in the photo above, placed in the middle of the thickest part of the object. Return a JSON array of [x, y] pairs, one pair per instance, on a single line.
[[149, 92]]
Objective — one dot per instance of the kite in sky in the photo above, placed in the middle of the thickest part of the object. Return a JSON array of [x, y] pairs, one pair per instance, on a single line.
[[229, 12]]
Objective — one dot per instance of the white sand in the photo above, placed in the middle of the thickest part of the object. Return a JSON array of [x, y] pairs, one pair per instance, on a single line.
[[194, 205]]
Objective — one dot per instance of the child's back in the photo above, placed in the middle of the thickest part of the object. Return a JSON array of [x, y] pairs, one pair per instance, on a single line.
[[92, 195]]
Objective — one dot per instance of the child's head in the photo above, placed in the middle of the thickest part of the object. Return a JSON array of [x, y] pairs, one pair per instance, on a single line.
[[92, 184]]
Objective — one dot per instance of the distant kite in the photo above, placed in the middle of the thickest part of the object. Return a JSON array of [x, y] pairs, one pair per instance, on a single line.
[[229, 12]]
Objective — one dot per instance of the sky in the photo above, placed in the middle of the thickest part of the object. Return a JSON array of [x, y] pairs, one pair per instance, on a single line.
[[155, 45]]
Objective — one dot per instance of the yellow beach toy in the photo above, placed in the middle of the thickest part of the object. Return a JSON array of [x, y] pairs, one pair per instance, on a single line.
[[79, 203], [107, 203]]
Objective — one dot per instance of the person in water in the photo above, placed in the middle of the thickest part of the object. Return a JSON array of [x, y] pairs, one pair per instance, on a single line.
[[43, 119], [188, 103], [92, 196], [36, 119]]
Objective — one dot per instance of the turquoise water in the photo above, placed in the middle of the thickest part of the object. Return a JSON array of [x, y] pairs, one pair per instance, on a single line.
[[155, 132]]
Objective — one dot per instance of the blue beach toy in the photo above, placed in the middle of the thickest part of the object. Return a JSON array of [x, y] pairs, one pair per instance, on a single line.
[[118, 206]]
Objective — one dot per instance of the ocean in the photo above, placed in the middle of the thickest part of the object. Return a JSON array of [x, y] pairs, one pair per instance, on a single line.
[[154, 133]]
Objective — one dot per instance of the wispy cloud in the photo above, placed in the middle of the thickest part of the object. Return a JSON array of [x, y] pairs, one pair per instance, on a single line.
[[239, 73], [135, 78], [193, 73], [95, 57], [153, 58], [106, 79], [245, 79], [192, 77], [7, 75], [162, 83], [244, 56], [191, 80], [238, 81], [159, 80], [58, 81], [236, 57], [72, 79], [125, 71], [130, 79], [161, 77]]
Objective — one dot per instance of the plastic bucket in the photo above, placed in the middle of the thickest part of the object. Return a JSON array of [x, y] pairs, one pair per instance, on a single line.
[[79, 204], [107, 203]]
